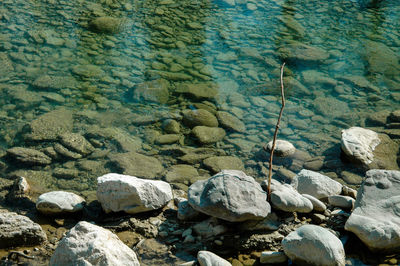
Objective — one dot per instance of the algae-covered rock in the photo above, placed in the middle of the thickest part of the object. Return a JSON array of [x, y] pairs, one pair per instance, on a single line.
[[50, 125], [28, 156], [208, 135], [132, 163], [152, 91], [108, 25]]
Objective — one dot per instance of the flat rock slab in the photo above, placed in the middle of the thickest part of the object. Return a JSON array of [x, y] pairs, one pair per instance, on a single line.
[[376, 215], [57, 202], [50, 125], [230, 122], [230, 195], [132, 163], [198, 90], [89, 244], [218, 163], [208, 135], [130, 194], [77, 143], [181, 173], [29, 156], [17, 230], [314, 245], [315, 184]]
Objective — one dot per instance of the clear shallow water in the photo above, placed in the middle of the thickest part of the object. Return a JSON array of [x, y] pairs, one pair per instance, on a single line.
[[342, 65]]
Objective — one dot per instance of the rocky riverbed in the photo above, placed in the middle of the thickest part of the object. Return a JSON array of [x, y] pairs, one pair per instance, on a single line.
[[174, 93]]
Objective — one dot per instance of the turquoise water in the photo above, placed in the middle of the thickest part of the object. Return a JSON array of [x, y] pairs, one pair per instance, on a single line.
[[342, 65]]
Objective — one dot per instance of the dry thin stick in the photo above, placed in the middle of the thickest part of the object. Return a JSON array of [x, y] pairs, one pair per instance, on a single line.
[[275, 134]]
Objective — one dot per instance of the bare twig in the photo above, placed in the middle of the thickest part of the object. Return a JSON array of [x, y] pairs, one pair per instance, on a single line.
[[275, 134]]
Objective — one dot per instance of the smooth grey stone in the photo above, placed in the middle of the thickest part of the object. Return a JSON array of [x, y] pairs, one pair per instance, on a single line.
[[315, 184], [283, 148], [285, 198], [340, 201], [318, 205], [57, 202], [230, 195], [376, 217], [314, 245]]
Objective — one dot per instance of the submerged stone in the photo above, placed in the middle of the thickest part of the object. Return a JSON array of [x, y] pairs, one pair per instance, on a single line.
[[108, 25], [28, 156]]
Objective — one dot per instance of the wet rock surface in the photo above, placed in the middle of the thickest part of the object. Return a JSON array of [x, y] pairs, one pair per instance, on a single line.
[[28, 156]]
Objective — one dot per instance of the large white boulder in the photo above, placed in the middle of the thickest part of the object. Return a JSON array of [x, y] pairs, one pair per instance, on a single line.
[[315, 184], [285, 198], [230, 195], [314, 245], [359, 144], [88, 244], [130, 194], [57, 202], [376, 215], [207, 258]]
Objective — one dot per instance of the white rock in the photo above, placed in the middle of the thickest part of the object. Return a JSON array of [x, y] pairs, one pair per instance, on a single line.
[[56, 202], [318, 205], [340, 201], [284, 197], [283, 148], [207, 258], [230, 195], [315, 184], [314, 245], [88, 244], [359, 143], [130, 194], [376, 215], [272, 257]]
